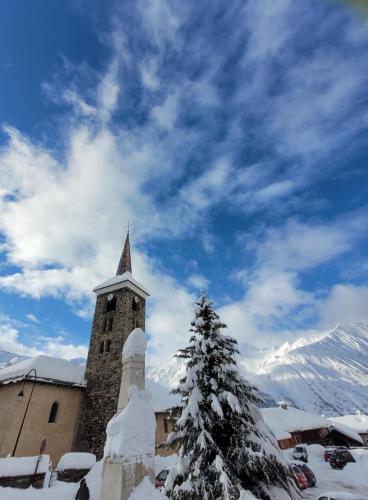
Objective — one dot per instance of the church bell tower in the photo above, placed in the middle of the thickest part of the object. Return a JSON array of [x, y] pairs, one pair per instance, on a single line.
[[120, 307]]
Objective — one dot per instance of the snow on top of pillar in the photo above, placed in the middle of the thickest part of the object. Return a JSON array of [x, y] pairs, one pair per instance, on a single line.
[[136, 343], [132, 433]]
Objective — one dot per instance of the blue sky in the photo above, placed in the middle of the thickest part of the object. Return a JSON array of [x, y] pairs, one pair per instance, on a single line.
[[232, 135]]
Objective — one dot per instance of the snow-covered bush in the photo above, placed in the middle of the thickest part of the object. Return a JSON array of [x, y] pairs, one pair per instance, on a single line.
[[224, 444]]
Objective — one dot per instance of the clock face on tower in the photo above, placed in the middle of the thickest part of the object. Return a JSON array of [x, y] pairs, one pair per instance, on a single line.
[[110, 297]]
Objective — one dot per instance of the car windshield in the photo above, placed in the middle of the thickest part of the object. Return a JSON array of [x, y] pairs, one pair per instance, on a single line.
[[299, 449], [163, 475]]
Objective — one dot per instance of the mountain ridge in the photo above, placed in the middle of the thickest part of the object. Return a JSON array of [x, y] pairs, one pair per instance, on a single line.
[[326, 373]]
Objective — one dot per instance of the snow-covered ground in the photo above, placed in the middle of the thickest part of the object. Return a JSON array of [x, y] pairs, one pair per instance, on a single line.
[[353, 479]]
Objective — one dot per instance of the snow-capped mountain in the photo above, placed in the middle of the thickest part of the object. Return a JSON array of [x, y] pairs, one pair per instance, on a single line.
[[325, 374], [8, 358]]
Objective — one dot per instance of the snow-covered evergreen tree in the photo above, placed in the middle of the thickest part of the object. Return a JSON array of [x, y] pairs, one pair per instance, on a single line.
[[224, 444]]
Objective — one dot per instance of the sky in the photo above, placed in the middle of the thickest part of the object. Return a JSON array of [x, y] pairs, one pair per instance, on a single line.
[[233, 137]]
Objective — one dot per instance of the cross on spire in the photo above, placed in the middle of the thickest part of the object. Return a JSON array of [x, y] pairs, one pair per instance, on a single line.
[[125, 264]]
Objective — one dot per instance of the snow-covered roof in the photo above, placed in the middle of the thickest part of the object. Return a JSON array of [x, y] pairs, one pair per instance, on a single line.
[[76, 460], [285, 421], [23, 466], [119, 281], [359, 423], [48, 369]]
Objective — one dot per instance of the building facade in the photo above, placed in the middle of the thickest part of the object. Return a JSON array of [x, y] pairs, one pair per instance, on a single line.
[[46, 402], [120, 307]]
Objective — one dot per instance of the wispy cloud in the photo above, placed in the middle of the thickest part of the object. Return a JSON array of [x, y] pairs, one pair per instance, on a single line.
[[240, 114]]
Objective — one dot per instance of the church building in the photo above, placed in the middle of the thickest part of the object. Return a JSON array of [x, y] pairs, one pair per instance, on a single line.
[[69, 406]]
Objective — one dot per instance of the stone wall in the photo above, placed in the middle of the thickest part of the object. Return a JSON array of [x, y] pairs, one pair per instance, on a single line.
[[103, 371], [23, 482], [72, 475]]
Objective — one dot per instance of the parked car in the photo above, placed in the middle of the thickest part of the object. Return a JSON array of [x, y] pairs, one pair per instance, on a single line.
[[340, 458], [299, 476], [328, 451], [309, 474], [300, 453], [161, 478]]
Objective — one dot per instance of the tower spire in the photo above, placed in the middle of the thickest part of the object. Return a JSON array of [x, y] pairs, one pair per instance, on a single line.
[[125, 264]]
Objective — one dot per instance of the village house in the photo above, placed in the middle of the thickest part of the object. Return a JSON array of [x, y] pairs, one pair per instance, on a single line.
[[357, 422], [292, 426]]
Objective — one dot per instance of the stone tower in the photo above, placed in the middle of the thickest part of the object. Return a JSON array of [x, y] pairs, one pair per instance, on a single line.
[[120, 308]]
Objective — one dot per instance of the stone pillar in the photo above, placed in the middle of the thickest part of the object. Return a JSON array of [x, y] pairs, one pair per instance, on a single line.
[[120, 476], [130, 445], [132, 374]]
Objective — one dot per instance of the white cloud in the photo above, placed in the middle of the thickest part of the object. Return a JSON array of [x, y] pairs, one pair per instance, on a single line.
[[299, 246], [165, 114], [198, 281], [344, 303], [11, 341], [63, 216], [108, 92], [33, 318], [275, 306], [148, 69]]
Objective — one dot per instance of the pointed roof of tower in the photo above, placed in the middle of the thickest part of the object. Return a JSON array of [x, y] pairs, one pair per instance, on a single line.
[[123, 277], [125, 264]]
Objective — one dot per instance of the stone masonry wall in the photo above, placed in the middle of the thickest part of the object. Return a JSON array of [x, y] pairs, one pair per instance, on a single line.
[[103, 370]]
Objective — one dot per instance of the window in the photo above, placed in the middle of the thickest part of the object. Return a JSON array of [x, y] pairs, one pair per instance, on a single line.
[[135, 303], [108, 325], [53, 412], [166, 425], [111, 304], [108, 345], [101, 348]]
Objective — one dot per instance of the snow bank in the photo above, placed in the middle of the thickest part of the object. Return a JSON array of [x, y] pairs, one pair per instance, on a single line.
[[76, 460], [358, 470], [132, 432], [168, 462], [94, 479], [23, 466], [247, 495], [48, 369], [136, 343], [146, 491], [59, 491]]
